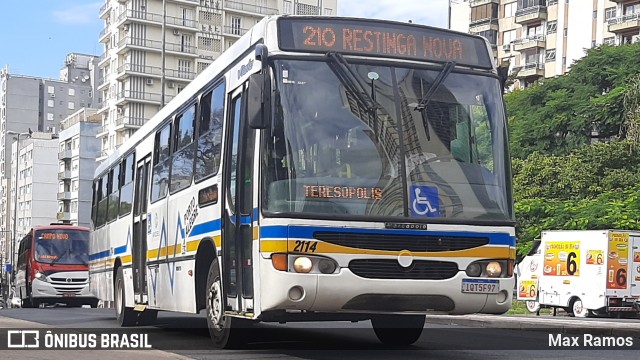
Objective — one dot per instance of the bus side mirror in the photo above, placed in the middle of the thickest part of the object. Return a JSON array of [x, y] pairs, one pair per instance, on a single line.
[[259, 100]]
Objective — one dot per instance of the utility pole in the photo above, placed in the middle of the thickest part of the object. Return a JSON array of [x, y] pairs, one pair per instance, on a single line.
[[164, 36]]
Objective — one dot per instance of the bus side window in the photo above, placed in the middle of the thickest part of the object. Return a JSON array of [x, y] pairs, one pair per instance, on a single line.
[[114, 196], [94, 203], [182, 162], [209, 143], [161, 156], [126, 191]]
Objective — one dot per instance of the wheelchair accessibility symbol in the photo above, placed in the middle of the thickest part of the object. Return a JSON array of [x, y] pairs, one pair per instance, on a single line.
[[424, 201]]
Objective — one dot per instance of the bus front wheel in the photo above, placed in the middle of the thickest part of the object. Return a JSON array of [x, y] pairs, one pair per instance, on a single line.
[[223, 329], [126, 316], [398, 330]]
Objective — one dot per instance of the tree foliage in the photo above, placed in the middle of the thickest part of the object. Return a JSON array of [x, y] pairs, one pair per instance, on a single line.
[[558, 115], [560, 180]]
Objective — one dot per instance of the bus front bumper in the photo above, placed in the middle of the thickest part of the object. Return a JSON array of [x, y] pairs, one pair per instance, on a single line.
[[346, 292]]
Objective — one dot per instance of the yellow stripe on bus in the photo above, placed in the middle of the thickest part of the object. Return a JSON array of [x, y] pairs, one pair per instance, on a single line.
[[273, 246]]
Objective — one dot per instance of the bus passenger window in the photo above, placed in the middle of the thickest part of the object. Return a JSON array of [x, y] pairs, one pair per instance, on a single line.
[[209, 141], [182, 162], [160, 184]]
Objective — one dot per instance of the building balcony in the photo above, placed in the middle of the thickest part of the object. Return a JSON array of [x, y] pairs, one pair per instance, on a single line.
[[529, 14], [127, 69], [473, 3], [129, 122], [530, 42], [185, 2], [64, 195], [127, 96], [248, 8], [66, 154], [104, 35], [104, 59], [234, 31], [622, 1], [137, 43], [65, 216], [479, 25], [624, 23], [181, 49], [66, 174], [531, 70], [156, 19], [179, 75], [104, 9]]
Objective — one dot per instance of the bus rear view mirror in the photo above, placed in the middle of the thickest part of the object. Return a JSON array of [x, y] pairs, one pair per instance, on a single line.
[[259, 100]]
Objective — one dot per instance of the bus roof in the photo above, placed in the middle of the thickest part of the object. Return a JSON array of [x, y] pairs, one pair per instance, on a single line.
[[257, 33], [60, 227]]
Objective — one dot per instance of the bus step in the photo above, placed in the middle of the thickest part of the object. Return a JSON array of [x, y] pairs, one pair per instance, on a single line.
[[140, 307]]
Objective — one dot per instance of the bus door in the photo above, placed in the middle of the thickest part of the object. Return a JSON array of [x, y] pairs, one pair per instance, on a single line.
[[237, 232], [139, 238]]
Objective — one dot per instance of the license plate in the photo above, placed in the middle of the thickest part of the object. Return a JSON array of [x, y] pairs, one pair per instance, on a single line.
[[68, 295], [480, 286]]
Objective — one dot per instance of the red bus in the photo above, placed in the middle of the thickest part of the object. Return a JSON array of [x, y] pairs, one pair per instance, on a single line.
[[52, 267]]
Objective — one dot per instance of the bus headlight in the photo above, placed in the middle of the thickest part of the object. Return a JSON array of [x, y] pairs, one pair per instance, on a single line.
[[474, 270], [302, 264], [490, 268], [494, 269], [42, 277]]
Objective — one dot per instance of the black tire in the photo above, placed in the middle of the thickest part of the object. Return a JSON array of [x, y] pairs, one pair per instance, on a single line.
[[126, 316], [147, 317], [224, 330], [94, 304], [398, 330]]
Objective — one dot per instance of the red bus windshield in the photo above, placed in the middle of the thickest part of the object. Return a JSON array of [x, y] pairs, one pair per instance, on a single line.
[[62, 246]]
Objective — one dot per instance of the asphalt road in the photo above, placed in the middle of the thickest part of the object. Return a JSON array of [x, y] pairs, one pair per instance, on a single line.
[[444, 338]]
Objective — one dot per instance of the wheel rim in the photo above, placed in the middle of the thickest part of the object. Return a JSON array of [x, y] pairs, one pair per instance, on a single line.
[[215, 305], [532, 305], [119, 298], [578, 310]]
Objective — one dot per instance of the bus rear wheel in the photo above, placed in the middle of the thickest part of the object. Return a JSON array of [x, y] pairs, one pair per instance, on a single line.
[[222, 329], [126, 316], [398, 330]]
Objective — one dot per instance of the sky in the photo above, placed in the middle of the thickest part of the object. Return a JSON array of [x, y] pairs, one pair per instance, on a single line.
[[37, 35]]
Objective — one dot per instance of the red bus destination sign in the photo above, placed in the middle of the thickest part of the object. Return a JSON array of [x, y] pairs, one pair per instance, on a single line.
[[384, 39]]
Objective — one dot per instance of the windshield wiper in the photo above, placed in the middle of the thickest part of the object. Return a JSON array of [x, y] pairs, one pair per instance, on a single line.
[[348, 78], [448, 67]]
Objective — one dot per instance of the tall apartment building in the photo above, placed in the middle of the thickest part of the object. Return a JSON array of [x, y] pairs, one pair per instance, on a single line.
[[37, 181], [154, 48], [39, 104], [77, 155], [542, 38]]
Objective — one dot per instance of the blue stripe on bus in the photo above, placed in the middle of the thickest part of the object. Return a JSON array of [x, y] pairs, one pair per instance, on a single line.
[[99, 255], [206, 227], [306, 232]]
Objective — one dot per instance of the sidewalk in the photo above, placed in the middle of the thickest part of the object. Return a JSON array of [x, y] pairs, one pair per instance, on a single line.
[[6, 322], [542, 323]]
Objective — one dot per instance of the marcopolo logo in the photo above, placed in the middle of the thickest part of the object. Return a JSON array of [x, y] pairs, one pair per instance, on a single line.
[[244, 69]]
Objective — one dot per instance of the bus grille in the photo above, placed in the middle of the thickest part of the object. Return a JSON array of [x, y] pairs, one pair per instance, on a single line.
[[390, 269], [394, 242], [68, 285]]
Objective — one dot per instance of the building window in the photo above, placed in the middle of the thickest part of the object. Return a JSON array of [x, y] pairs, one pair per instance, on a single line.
[[51, 89], [552, 27], [610, 40], [72, 105], [328, 11], [235, 25], [564, 61], [72, 92], [510, 9], [304, 9], [286, 8], [50, 116], [566, 31], [205, 43], [550, 55], [609, 13], [508, 37], [484, 12], [523, 4], [491, 35], [50, 103]]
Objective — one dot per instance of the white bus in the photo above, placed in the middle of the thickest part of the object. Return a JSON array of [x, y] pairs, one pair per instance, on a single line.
[[321, 168]]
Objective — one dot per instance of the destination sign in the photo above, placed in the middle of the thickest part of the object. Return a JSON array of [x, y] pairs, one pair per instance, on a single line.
[[385, 39], [53, 236]]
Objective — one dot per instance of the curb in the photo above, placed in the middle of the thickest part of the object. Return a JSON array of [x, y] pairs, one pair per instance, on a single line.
[[537, 324]]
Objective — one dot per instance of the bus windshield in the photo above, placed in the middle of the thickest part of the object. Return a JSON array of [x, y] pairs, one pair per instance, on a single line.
[[62, 246], [365, 139]]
